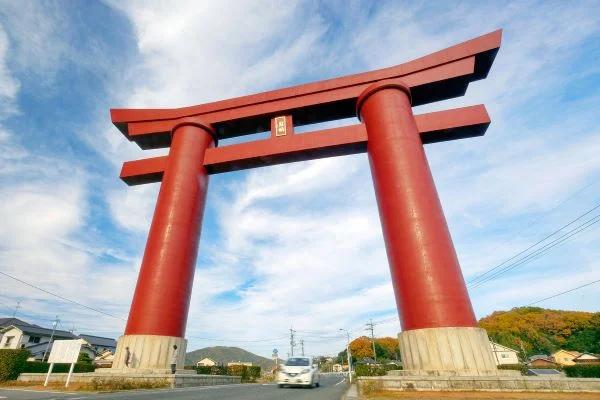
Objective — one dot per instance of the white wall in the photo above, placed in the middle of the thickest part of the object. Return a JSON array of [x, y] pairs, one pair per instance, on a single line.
[[15, 341]]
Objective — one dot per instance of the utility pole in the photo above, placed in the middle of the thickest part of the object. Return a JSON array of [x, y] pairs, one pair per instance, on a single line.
[[16, 308], [371, 326], [348, 354], [292, 342], [524, 352], [302, 346], [56, 321]]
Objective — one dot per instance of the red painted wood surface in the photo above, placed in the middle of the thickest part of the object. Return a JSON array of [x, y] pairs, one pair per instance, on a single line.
[[433, 127], [428, 284], [162, 294], [437, 76]]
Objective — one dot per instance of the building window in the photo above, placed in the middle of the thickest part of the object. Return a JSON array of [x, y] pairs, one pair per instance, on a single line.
[[34, 339], [8, 340], [504, 355]]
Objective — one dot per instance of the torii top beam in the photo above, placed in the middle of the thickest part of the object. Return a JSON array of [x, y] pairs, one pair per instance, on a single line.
[[438, 76]]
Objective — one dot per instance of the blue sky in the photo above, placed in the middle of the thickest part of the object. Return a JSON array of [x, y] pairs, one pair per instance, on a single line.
[[300, 244]]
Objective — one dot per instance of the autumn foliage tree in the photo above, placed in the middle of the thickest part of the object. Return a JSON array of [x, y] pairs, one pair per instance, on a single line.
[[386, 349], [543, 331]]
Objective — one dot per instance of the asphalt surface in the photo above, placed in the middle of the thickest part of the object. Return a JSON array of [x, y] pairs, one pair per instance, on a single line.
[[332, 388]]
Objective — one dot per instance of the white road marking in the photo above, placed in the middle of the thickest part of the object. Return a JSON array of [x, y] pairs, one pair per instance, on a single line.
[[342, 381], [76, 398], [2, 397]]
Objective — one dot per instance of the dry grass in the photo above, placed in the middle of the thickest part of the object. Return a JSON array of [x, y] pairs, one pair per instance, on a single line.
[[484, 395], [96, 385], [53, 386]]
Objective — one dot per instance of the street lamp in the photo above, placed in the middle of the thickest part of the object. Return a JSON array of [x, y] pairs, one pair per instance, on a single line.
[[348, 354]]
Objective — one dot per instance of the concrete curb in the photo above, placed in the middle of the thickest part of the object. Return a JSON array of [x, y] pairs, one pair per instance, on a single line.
[[351, 393]]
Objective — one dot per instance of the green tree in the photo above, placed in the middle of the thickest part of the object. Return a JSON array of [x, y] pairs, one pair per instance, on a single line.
[[84, 358]]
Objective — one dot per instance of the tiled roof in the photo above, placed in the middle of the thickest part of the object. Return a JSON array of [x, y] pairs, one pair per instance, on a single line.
[[99, 341], [4, 322], [36, 330]]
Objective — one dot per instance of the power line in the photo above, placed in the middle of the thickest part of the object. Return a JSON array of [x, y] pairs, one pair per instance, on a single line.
[[238, 340], [60, 297], [565, 292], [474, 280], [534, 221], [537, 253]]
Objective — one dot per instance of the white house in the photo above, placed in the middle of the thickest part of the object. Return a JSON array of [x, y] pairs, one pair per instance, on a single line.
[[587, 358], [18, 336], [206, 362], [4, 322], [504, 355]]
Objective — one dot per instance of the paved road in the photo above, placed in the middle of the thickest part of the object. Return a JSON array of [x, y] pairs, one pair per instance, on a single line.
[[332, 388]]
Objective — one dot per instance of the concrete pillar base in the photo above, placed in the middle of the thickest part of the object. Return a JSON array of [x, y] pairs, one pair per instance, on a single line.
[[149, 352], [450, 351]]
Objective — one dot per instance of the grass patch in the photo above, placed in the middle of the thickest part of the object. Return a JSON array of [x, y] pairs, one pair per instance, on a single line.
[[96, 385]]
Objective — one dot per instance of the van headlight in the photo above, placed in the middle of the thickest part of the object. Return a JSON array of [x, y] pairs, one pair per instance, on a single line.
[[305, 371]]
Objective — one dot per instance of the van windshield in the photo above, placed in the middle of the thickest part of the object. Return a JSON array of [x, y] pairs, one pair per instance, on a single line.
[[298, 362]]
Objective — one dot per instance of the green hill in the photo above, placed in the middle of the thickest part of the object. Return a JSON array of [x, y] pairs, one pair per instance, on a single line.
[[543, 331], [224, 355]]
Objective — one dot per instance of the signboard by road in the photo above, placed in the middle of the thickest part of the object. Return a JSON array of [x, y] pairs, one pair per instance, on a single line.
[[65, 351]]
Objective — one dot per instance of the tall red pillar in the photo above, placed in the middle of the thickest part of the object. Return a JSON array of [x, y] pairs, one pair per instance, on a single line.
[[432, 299], [158, 315]]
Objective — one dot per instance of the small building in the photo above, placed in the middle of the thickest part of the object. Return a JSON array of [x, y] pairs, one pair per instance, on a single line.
[[336, 368], [98, 343], [234, 363], [206, 362], [104, 359], [366, 361], [17, 336], [586, 358], [4, 322], [565, 357], [542, 361], [504, 355]]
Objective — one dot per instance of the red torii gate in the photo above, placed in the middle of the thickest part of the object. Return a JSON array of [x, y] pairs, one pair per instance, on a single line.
[[439, 326]]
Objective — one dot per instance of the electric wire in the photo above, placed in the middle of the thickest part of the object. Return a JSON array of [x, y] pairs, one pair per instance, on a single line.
[[481, 276], [565, 292], [536, 220], [238, 340], [542, 250], [61, 297]]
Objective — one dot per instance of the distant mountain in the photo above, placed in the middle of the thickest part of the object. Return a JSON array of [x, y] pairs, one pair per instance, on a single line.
[[543, 331], [224, 355]]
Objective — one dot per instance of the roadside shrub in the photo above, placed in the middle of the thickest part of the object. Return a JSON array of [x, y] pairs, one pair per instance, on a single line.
[[236, 370], [42, 367], [12, 362], [369, 370], [214, 370], [248, 374], [251, 374], [392, 367], [583, 371], [110, 384]]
